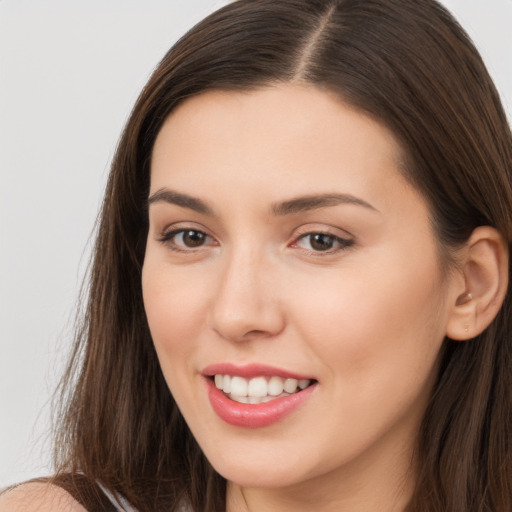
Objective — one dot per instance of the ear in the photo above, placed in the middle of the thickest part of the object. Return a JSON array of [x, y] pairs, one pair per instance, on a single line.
[[484, 267]]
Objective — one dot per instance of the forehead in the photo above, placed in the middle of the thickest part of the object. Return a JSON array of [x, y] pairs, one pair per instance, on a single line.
[[298, 137], [282, 113]]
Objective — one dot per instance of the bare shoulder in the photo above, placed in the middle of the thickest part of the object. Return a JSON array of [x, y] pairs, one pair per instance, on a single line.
[[40, 497]]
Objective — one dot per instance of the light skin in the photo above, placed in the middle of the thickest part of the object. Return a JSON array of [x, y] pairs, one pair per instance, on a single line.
[[306, 250], [258, 292], [365, 313]]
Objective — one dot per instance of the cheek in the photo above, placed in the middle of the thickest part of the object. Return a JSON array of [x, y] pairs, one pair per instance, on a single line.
[[378, 337], [376, 324], [173, 306]]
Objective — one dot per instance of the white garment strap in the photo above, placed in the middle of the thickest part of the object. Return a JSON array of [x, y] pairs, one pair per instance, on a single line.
[[126, 507], [123, 507]]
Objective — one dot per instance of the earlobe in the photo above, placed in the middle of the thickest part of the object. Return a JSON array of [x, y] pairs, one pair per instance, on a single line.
[[484, 267]]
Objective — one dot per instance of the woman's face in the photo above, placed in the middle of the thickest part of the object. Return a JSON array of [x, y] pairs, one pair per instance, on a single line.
[[286, 249]]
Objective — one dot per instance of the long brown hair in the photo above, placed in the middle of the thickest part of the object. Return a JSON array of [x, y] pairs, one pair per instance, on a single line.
[[409, 65]]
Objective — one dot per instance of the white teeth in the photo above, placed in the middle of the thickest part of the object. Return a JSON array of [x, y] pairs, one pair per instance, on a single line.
[[241, 399], [275, 386], [227, 384], [258, 389], [255, 399], [290, 385], [239, 386], [303, 383]]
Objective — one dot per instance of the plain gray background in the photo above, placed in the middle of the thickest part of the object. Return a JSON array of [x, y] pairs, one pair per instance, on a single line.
[[69, 75]]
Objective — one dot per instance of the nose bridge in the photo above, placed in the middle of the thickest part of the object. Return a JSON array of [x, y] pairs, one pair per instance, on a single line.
[[244, 305]]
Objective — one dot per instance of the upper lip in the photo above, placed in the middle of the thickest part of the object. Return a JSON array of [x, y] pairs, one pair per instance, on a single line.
[[251, 370]]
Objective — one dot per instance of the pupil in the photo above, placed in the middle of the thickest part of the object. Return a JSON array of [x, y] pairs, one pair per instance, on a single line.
[[321, 242], [193, 238]]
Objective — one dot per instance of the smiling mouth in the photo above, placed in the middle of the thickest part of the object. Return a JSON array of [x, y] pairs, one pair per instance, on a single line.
[[258, 389]]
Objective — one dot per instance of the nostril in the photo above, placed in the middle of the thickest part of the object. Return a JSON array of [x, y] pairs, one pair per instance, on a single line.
[[254, 333]]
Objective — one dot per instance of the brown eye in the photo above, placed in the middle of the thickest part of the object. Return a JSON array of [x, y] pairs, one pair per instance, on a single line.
[[321, 241], [183, 239], [192, 238]]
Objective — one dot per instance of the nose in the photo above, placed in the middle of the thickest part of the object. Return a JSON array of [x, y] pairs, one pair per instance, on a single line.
[[245, 305]]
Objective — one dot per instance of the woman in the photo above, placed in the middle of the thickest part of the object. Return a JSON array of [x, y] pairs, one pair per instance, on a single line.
[[299, 295]]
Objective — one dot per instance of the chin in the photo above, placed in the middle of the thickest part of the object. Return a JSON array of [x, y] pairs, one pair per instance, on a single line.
[[257, 477], [252, 470]]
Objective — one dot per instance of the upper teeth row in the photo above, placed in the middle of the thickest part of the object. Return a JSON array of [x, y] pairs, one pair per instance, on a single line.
[[258, 386]]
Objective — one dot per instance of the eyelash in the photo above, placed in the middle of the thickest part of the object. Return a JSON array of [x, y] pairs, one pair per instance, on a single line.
[[343, 243], [168, 239]]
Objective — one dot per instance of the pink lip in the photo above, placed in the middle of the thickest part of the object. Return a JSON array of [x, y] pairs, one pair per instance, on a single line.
[[251, 370], [253, 415]]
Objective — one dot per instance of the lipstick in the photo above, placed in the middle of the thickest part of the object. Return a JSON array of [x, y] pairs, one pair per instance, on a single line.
[[260, 414]]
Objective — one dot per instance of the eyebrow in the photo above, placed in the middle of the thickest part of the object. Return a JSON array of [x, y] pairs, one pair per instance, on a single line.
[[290, 207], [180, 199], [313, 202]]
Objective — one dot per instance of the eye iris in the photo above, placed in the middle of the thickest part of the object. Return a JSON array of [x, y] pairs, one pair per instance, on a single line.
[[193, 238], [321, 242]]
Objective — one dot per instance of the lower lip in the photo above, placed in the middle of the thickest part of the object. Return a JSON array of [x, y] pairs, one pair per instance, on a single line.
[[255, 415]]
